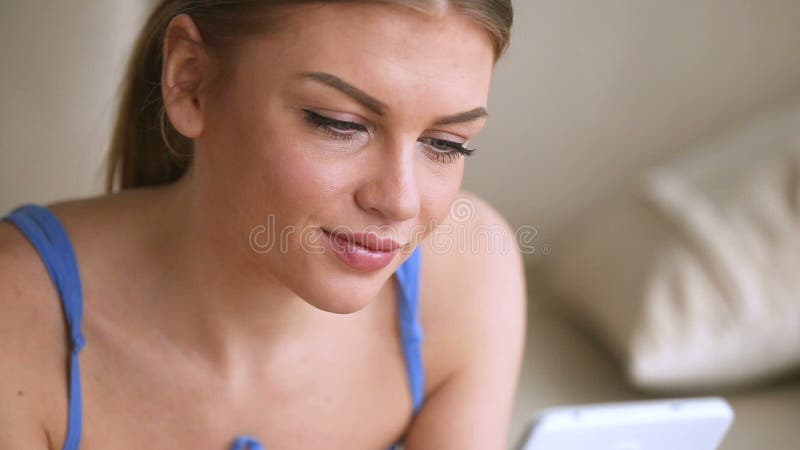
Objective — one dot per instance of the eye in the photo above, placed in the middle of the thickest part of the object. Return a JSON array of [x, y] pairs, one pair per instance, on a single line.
[[445, 151], [336, 129]]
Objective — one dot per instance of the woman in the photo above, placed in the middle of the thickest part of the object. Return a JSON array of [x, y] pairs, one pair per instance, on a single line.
[[278, 163]]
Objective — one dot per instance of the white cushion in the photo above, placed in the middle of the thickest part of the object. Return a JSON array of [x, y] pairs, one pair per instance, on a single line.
[[692, 278]]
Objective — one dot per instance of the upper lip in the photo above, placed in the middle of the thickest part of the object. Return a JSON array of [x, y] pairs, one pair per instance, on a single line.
[[369, 241]]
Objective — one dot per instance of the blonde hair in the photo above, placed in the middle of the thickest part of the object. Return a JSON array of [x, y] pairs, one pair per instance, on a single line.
[[145, 149]]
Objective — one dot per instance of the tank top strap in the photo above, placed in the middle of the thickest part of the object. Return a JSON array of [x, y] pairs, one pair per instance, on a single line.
[[246, 443], [44, 231], [410, 326]]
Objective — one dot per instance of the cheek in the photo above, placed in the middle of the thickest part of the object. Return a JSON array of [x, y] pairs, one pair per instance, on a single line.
[[300, 180], [276, 168], [438, 191]]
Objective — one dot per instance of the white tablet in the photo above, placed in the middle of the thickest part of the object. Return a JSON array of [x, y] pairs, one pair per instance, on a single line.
[[676, 424]]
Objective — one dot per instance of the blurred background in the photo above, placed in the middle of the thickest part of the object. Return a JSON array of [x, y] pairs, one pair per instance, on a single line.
[[592, 102]]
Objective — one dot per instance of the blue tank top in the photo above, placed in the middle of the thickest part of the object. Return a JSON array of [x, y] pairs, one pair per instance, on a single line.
[[43, 229]]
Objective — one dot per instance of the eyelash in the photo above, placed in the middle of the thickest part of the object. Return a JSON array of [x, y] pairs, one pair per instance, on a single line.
[[329, 126]]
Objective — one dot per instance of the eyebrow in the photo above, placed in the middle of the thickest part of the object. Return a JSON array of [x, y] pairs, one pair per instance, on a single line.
[[466, 116], [378, 107]]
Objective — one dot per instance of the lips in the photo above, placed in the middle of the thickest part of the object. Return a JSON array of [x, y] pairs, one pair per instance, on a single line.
[[368, 241], [363, 252]]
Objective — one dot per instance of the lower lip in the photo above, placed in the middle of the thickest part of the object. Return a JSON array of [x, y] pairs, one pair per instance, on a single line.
[[358, 257]]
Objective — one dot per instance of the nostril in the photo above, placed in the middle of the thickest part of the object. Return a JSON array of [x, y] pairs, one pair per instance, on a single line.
[[393, 200]]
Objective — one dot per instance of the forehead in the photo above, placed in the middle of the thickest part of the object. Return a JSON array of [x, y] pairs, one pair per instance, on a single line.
[[404, 57]]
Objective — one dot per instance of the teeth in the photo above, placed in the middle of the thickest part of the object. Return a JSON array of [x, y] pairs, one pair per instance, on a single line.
[[345, 239], [353, 242]]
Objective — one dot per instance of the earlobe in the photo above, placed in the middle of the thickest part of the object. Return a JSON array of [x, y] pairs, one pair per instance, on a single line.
[[183, 74]]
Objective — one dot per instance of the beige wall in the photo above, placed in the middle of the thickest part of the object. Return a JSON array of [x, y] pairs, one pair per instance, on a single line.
[[590, 92], [60, 64], [593, 91]]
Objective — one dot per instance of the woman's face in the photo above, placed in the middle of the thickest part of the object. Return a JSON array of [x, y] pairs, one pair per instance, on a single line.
[[350, 118]]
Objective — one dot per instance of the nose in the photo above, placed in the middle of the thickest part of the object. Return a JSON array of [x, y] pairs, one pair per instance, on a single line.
[[390, 189]]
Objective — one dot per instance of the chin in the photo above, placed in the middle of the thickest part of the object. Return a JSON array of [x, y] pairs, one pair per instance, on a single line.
[[341, 309], [322, 282], [341, 304], [341, 294]]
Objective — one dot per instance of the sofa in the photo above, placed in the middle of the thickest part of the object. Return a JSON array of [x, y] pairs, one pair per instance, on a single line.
[[566, 365], [686, 283]]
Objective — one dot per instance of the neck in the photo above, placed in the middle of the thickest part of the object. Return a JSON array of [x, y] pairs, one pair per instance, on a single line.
[[210, 297]]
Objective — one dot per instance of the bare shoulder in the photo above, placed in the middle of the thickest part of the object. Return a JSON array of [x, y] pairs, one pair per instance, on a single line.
[[28, 299], [32, 343], [472, 286], [473, 313]]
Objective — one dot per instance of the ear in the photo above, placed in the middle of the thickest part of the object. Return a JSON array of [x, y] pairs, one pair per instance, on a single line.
[[184, 71]]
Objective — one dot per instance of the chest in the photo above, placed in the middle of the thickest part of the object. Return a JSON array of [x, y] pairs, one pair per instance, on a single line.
[[337, 395], [363, 409]]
